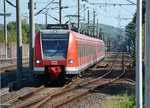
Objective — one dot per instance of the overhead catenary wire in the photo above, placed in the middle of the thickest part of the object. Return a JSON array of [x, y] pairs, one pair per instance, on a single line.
[[109, 13], [114, 16], [131, 2], [10, 3], [110, 4], [55, 3], [127, 10], [53, 17], [44, 7], [74, 14], [49, 15]]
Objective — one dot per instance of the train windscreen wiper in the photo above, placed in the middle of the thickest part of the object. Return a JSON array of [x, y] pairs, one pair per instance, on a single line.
[[57, 51]]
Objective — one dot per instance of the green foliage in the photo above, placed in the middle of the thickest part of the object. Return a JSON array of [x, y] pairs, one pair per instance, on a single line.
[[25, 31], [132, 34], [12, 32], [1, 35], [126, 101], [130, 101]]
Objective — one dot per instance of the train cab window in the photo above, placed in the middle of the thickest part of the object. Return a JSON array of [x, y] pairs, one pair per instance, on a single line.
[[54, 46]]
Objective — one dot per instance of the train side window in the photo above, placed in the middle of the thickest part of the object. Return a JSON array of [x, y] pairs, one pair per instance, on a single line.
[[85, 48], [89, 49], [78, 53], [81, 53], [100, 48], [81, 50], [78, 48]]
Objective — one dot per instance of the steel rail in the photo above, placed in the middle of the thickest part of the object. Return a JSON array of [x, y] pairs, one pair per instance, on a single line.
[[25, 95], [70, 98], [39, 99], [10, 67], [58, 92], [75, 87]]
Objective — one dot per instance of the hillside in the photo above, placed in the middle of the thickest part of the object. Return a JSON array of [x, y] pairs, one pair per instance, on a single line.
[[112, 30], [109, 30]]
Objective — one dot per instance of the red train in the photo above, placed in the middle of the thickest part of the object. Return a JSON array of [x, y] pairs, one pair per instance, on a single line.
[[65, 52]]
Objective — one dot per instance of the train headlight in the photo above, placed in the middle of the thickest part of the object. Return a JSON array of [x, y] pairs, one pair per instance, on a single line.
[[38, 61], [70, 61], [55, 31]]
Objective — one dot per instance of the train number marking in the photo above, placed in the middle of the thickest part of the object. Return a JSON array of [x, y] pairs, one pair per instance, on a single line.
[[54, 62]]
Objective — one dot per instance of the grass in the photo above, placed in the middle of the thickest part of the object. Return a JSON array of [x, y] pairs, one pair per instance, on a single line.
[[125, 101]]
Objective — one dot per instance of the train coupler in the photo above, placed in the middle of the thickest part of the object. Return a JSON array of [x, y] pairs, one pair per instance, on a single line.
[[54, 72]]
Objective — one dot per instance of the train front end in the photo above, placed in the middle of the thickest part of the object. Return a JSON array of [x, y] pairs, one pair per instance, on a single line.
[[50, 53]]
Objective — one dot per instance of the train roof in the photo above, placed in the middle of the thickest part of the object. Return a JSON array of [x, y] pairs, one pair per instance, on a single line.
[[54, 31], [65, 28], [66, 31], [82, 36]]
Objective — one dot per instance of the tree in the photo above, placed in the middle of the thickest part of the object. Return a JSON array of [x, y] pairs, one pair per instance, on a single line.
[[12, 32]]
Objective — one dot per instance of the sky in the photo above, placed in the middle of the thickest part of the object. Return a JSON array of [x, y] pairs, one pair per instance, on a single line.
[[114, 15]]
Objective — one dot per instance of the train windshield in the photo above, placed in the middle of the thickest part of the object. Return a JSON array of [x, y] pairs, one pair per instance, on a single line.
[[54, 46]]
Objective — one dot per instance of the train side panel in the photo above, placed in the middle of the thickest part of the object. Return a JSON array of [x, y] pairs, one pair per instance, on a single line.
[[85, 51], [72, 68], [38, 68]]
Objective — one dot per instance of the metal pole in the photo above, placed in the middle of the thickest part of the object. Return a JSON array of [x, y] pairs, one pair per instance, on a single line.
[[139, 55], [95, 23], [46, 18], [89, 22], [147, 56], [5, 28], [78, 15], [32, 34], [97, 29], [19, 45], [60, 12], [94, 31]]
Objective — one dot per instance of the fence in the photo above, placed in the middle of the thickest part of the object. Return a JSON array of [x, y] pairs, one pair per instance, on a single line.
[[12, 50]]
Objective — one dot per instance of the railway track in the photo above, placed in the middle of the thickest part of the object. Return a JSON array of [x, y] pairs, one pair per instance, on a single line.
[[11, 67], [38, 102], [11, 60], [51, 99], [34, 92], [92, 89]]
